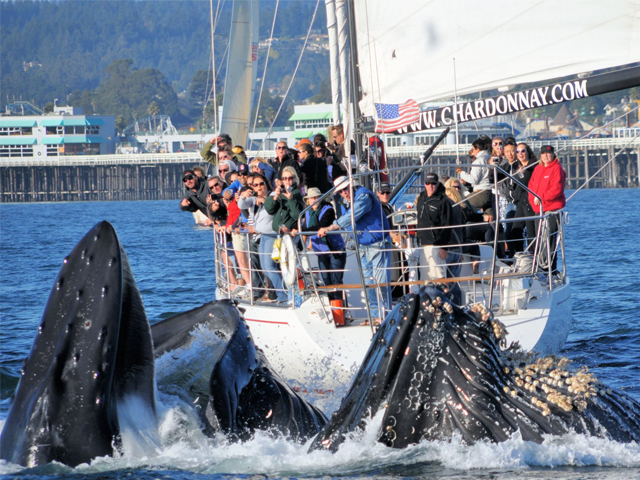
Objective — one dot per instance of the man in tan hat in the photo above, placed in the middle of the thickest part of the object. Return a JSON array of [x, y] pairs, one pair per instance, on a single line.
[[371, 226]]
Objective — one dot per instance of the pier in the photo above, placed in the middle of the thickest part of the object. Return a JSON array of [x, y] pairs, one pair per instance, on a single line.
[[158, 176]]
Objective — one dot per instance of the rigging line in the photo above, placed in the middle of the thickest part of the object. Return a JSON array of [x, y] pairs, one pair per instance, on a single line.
[[586, 182], [266, 62], [293, 77], [213, 67]]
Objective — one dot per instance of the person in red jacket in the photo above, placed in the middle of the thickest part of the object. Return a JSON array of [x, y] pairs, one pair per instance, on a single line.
[[547, 182]]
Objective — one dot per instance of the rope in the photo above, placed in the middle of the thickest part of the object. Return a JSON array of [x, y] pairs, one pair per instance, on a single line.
[[293, 77], [266, 62], [586, 182]]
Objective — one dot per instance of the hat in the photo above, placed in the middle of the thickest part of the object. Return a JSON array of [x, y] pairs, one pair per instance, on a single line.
[[237, 149], [341, 183], [186, 174], [385, 188], [313, 192], [303, 141], [431, 178], [547, 149], [227, 177], [243, 169]]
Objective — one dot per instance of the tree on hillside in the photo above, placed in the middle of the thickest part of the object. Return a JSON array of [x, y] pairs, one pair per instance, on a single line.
[[131, 93]]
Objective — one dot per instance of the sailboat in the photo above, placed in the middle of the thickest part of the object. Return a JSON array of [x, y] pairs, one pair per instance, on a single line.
[[393, 58]]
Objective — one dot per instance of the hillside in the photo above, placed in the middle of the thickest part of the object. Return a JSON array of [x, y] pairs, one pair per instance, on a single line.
[[51, 49]]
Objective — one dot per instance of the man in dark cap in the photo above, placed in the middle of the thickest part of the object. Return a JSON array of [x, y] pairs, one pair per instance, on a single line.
[[434, 210], [384, 195], [197, 191]]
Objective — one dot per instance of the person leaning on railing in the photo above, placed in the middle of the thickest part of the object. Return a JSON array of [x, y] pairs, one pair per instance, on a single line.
[[263, 224], [330, 249], [548, 181], [371, 227]]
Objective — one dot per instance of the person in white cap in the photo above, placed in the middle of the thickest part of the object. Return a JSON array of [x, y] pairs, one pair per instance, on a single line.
[[372, 228]]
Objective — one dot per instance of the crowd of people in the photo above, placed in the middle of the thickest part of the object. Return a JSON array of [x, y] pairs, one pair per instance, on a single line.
[[252, 202]]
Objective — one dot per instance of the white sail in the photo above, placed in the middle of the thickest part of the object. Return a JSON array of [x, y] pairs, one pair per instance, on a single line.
[[406, 48], [332, 29], [240, 79]]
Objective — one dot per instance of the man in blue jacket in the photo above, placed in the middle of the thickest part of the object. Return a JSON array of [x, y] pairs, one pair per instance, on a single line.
[[370, 221]]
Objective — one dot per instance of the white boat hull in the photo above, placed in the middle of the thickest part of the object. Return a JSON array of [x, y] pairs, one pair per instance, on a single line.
[[320, 359]]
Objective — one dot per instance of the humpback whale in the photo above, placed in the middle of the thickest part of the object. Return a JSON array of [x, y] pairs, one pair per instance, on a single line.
[[239, 393], [438, 370], [93, 348], [94, 351]]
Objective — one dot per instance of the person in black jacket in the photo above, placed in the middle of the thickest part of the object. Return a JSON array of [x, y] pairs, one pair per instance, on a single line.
[[528, 161], [197, 191], [314, 168], [434, 210]]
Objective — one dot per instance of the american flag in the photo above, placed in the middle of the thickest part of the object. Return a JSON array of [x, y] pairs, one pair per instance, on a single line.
[[392, 117]]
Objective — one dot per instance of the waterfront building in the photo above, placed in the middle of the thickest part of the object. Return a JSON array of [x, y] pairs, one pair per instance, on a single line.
[[66, 131]]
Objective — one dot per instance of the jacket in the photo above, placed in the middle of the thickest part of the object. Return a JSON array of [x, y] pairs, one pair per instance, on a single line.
[[315, 170], [285, 211], [478, 175], [262, 221], [198, 198], [434, 211], [548, 183], [523, 175], [369, 217], [324, 217]]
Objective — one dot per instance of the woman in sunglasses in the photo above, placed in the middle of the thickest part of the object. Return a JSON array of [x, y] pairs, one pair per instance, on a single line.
[[286, 203], [254, 201], [527, 161]]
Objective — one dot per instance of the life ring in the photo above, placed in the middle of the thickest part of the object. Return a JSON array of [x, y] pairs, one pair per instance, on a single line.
[[288, 260]]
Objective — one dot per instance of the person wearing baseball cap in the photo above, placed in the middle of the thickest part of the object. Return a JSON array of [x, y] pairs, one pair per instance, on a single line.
[[384, 195], [547, 183], [371, 226], [434, 210], [197, 192]]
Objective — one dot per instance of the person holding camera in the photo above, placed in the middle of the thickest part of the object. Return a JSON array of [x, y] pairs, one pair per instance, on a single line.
[[254, 201], [286, 203]]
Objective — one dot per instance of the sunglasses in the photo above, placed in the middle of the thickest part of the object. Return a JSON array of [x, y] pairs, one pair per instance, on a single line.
[[280, 148], [258, 184], [223, 169], [521, 151], [385, 193], [431, 183], [214, 185], [497, 144], [287, 178], [188, 177]]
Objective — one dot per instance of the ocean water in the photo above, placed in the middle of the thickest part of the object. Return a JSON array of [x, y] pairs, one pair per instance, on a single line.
[[172, 260]]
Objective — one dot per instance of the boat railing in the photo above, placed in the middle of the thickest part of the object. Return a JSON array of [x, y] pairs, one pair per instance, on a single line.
[[481, 273]]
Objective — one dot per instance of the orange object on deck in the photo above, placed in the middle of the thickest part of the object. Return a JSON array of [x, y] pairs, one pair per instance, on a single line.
[[338, 312]]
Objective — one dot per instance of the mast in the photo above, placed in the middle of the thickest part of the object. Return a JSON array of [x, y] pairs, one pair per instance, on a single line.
[[239, 82], [355, 82]]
